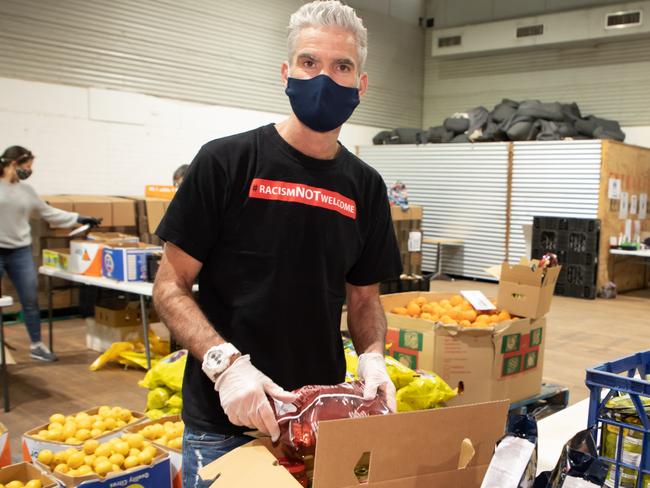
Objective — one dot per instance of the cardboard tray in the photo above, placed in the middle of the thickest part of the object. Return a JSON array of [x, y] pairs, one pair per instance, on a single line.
[[25, 472]]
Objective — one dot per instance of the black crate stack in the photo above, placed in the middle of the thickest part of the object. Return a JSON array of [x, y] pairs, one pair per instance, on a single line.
[[575, 242]]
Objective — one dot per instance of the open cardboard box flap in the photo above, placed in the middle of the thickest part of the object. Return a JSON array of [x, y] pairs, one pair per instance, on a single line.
[[405, 449]]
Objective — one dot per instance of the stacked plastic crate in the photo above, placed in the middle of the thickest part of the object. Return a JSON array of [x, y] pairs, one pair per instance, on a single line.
[[576, 244]]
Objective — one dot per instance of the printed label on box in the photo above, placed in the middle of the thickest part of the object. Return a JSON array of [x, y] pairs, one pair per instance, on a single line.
[[478, 300], [408, 360], [510, 343], [614, 189], [415, 241], [536, 337], [530, 360], [643, 206], [411, 339], [511, 365]]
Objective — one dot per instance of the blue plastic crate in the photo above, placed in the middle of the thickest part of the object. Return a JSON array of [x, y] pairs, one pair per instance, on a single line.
[[611, 379]]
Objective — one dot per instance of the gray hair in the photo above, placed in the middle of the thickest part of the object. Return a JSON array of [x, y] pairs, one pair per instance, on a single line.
[[328, 13]]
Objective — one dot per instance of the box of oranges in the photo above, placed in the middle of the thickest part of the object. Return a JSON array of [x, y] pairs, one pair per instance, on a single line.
[[489, 355], [128, 460], [5, 452], [25, 475], [166, 433], [62, 432]]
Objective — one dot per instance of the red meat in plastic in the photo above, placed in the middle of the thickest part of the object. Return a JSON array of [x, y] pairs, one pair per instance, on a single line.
[[299, 420]]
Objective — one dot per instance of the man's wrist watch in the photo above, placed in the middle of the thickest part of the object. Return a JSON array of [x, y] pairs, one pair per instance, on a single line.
[[218, 359]]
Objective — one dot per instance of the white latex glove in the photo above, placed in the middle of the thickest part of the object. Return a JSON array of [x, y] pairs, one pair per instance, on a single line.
[[372, 370], [242, 389]]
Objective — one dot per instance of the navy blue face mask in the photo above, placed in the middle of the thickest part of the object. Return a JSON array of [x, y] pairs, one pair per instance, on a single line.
[[320, 103]]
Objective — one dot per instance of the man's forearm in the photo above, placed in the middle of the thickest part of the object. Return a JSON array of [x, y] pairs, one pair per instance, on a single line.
[[367, 325], [181, 314]]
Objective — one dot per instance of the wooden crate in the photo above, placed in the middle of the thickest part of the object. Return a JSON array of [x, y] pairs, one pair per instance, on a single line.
[[630, 164], [404, 222]]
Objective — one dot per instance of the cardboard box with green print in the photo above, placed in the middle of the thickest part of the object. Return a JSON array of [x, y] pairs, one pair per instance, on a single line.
[[502, 361]]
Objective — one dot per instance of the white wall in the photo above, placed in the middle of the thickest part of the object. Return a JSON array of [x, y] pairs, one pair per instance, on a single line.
[[94, 141]]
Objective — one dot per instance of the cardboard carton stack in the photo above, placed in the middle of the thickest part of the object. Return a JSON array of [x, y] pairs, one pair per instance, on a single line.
[[117, 214], [25, 472]]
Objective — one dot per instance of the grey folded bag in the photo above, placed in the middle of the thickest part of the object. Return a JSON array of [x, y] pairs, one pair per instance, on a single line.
[[504, 110], [456, 125], [539, 110], [439, 135]]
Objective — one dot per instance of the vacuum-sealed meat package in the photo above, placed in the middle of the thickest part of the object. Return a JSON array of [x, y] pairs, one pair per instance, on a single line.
[[299, 420]]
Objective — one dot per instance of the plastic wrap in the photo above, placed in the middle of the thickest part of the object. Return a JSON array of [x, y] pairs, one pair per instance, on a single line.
[[299, 420]]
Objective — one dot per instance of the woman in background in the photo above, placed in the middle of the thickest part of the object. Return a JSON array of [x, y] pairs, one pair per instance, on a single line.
[[18, 201]]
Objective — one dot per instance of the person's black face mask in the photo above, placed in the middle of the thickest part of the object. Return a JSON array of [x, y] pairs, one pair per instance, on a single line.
[[320, 103], [23, 174]]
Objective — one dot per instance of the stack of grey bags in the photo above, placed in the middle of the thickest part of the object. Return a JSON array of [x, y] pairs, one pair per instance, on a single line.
[[530, 120]]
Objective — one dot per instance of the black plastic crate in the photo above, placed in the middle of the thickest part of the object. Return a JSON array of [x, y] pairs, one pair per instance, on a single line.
[[575, 291], [577, 241], [402, 285], [578, 275], [565, 223], [580, 258]]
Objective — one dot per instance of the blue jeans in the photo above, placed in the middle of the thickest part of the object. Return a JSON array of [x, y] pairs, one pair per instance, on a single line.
[[19, 265], [200, 449]]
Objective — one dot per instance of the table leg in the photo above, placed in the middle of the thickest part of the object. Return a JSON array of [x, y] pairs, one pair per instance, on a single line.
[[145, 329], [439, 274], [48, 287], [5, 376]]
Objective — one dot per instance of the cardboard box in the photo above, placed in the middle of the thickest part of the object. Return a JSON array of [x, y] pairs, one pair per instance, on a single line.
[[32, 446], [86, 258], [156, 209], [526, 292], [86, 255], [448, 447], [175, 455], [123, 212], [156, 475], [165, 192], [414, 212], [489, 363], [120, 316], [114, 211], [127, 263], [100, 337], [5, 448], [57, 258], [26, 472]]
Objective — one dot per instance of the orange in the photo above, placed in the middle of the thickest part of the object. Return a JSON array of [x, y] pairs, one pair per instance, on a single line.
[[413, 309], [456, 300], [469, 315], [420, 301], [400, 311], [426, 308], [483, 318], [446, 319], [426, 316], [465, 323], [504, 315], [446, 304]]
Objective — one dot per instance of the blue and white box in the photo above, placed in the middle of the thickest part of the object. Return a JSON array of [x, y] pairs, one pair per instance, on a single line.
[[127, 263]]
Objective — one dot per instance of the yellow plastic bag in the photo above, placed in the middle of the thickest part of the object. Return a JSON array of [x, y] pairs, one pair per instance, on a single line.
[[424, 392], [399, 374], [157, 398], [175, 401], [167, 372], [112, 354], [136, 359]]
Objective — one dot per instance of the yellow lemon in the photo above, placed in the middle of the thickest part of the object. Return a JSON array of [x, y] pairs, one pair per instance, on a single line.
[[131, 462], [76, 460], [45, 456]]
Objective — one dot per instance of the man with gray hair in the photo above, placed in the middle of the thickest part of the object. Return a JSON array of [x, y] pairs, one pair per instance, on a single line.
[[281, 224]]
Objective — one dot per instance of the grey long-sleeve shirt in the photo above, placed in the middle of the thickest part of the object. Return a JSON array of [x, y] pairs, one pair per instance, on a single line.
[[17, 203]]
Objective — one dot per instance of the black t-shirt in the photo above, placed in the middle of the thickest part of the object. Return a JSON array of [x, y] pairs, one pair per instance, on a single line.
[[279, 234]]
